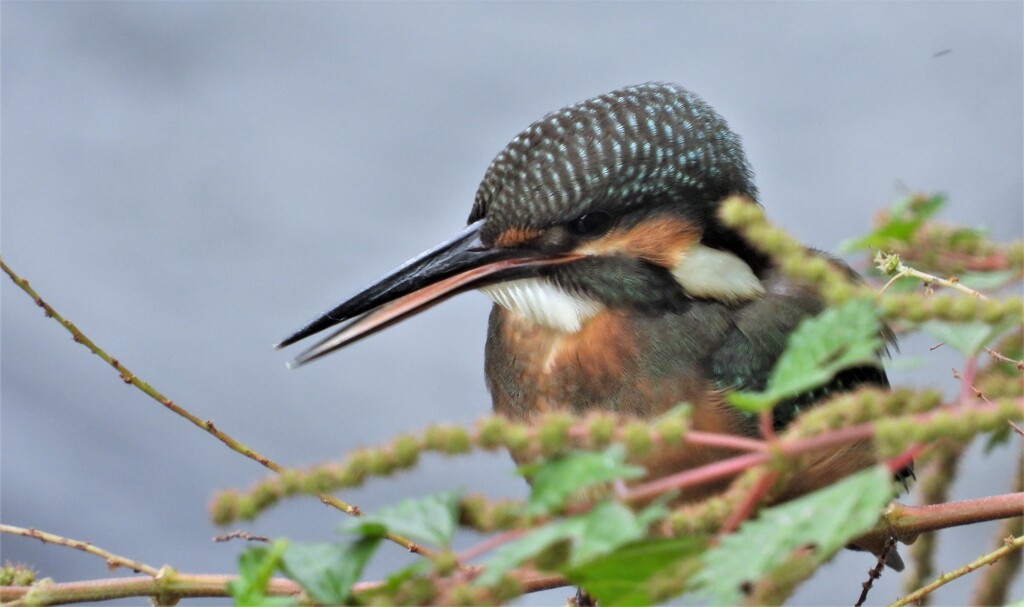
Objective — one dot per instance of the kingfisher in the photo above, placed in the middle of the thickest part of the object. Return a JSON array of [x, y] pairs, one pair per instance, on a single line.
[[615, 285]]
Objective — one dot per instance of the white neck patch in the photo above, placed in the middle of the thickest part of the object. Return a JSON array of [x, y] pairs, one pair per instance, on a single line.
[[543, 303], [716, 274]]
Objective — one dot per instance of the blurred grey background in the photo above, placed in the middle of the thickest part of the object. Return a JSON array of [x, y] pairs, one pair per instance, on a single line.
[[188, 182]]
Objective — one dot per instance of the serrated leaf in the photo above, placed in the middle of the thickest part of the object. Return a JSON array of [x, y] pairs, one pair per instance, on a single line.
[[827, 519], [906, 217], [592, 534], [640, 573], [256, 565], [554, 481], [431, 519], [968, 338], [327, 572], [836, 339]]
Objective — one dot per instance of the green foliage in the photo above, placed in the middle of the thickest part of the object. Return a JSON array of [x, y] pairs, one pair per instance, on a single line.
[[902, 223], [640, 573], [969, 338], [430, 519], [820, 347], [606, 527], [988, 280], [827, 519], [554, 482], [255, 567], [327, 572], [604, 545]]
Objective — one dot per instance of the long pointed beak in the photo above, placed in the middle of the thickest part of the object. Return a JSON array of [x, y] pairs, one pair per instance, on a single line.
[[456, 265]]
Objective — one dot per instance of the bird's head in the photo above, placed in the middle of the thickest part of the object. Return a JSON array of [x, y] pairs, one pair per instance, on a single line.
[[609, 203]]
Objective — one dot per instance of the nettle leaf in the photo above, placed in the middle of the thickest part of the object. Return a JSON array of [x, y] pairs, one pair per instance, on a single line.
[[836, 339], [905, 219], [327, 572], [431, 519], [827, 519], [554, 481], [255, 567], [969, 338], [640, 573], [590, 535]]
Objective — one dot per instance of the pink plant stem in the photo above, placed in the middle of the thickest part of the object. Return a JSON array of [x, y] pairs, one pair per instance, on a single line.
[[761, 488], [729, 441], [954, 514], [490, 543], [735, 465]]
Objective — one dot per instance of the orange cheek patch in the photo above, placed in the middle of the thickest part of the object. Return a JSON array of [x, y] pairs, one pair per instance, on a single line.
[[515, 236], [662, 241]]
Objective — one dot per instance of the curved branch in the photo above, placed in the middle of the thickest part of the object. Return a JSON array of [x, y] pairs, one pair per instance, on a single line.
[[113, 561]]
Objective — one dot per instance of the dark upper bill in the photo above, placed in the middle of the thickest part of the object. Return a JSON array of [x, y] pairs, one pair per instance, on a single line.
[[456, 265]]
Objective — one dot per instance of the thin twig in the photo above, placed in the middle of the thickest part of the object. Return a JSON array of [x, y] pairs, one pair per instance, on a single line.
[[885, 264], [1006, 359], [993, 586], [875, 572], [1012, 544], [207, 425], [240, 535], [113, 561], [932, 488]]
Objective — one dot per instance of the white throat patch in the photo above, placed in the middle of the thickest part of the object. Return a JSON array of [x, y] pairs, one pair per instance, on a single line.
[[543, 303], [716, 274]]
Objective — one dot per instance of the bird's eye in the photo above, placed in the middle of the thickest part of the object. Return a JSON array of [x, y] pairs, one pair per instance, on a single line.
[[591, 224]]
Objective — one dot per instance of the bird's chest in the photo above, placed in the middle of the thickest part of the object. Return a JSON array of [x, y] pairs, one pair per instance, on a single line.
[[606, 364]]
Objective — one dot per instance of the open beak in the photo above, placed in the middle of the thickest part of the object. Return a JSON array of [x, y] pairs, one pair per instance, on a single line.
[[456, 265]]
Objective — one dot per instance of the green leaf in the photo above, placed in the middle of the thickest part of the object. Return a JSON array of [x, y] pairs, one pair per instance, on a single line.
[[827, 519], [590, 535], [554, 481], [969, 338], [836, 339], [640, 573], [984, 281], [906, 217], [255, 568], [327, 572], [431, 519], [998, 437]]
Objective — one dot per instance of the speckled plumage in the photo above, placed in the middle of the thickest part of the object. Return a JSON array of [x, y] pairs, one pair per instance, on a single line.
[[620, 149]]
